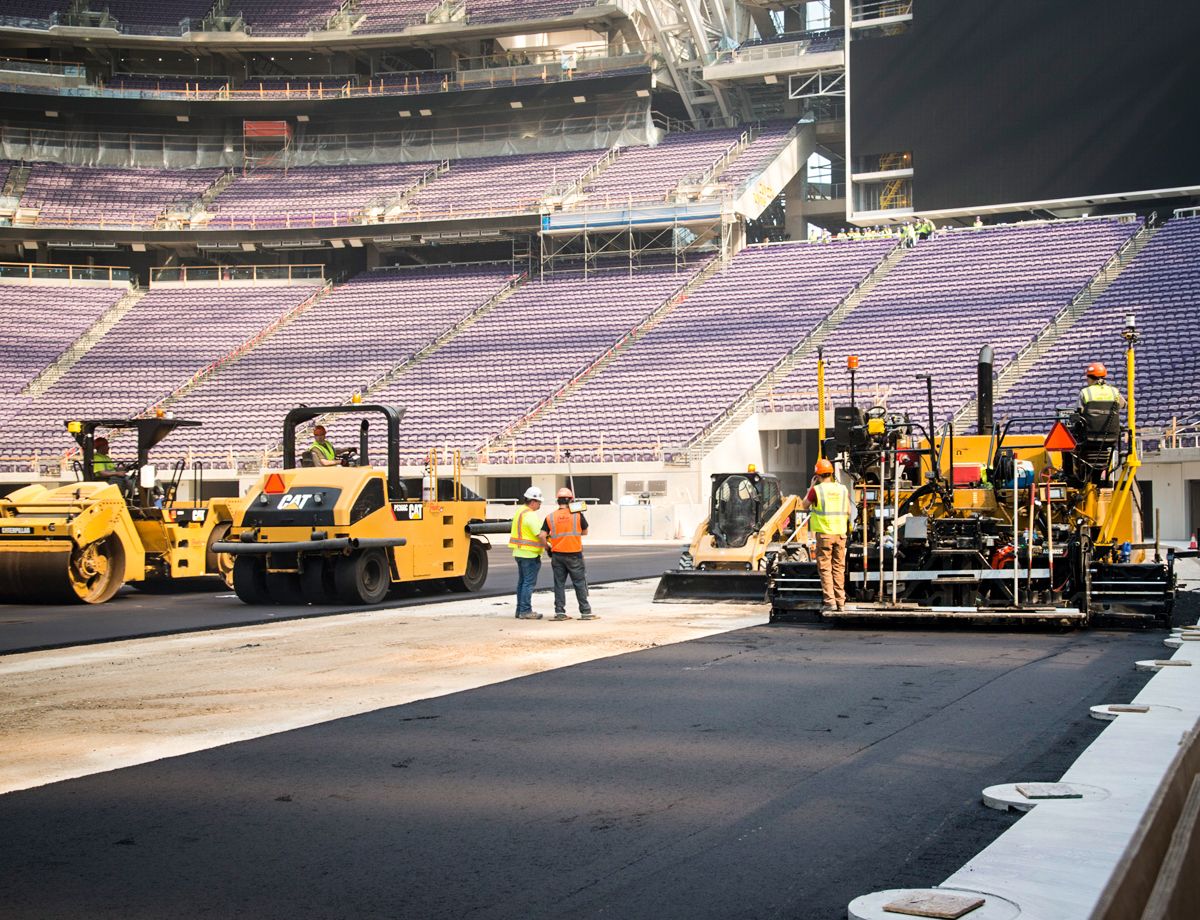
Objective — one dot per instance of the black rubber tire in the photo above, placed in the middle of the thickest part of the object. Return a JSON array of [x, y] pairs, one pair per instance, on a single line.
[[250, 580], [284, 588], [316, 581], [476, 574], [219, 564], [363, 577]]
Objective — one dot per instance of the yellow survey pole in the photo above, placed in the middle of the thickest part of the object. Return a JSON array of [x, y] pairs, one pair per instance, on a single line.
[[820, 403], [1129, 470]]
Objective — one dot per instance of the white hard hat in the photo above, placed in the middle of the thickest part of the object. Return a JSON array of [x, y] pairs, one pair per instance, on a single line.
[[533, 493]]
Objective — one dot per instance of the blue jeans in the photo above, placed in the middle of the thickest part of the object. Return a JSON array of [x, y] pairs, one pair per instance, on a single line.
[[527, 575], [572, 566]]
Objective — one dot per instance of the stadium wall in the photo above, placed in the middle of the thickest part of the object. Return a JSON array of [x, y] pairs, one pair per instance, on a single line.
[[1028, 101]]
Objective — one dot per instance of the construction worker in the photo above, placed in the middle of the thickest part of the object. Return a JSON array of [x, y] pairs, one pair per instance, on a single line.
[[322, 451], [1098, 388], [527, 544], [828, 504], [564, 531], [102, 464]]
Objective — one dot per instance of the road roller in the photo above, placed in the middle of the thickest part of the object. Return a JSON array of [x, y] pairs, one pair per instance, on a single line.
[[349, 532], [117, 524], [1026, 520]]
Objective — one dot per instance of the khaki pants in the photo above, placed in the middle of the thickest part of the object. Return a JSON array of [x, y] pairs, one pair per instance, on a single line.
[[831, 563]]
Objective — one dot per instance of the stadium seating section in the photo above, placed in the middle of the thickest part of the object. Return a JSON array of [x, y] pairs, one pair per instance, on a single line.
[[1160, 288], [336, 195], [643, 358], [951, 296]]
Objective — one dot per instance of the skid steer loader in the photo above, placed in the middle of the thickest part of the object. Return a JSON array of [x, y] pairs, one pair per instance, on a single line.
[[749, 520]]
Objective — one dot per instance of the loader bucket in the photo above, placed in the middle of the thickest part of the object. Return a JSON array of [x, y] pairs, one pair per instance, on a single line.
[[687, 586]]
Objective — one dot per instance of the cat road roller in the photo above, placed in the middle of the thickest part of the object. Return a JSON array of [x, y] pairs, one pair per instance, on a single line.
[[1033, 519], [81, 542], [347, 533]]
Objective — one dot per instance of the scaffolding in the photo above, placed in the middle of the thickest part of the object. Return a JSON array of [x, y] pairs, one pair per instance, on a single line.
[[265, 143]]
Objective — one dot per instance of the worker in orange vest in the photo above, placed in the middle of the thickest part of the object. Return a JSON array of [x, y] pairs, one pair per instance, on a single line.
[[564, 530]]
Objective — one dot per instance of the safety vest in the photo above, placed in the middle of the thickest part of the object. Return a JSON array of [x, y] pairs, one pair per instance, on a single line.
[[566, 536], [102, 463], [1097, 392], [831, 511], [523, 537], [325, 449]]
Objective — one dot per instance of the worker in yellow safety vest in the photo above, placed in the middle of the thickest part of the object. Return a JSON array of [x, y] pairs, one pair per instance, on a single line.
[[322, 451], [1098, 388], [564, 530], [102, 464], [527, 544], [828, 507]]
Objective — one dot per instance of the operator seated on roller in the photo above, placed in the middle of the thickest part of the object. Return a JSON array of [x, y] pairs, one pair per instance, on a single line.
[[828, 504], [322, 451], [102, 464]]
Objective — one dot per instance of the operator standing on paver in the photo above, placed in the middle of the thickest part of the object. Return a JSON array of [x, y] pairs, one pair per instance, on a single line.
[[527, 544], [828, 504], [564, 530]]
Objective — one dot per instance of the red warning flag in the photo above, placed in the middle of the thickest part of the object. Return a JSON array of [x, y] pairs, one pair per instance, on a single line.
[[274, 484], [1059, 438]]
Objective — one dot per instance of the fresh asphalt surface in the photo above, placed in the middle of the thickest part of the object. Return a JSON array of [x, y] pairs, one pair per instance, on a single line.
[[210, 604], [771, 772]]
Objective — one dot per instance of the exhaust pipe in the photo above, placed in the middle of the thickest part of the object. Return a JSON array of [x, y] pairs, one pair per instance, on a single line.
[[983, 401]]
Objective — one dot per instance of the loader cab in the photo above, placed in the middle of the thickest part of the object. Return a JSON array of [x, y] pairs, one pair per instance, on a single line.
[[741, 504], [137, 478]]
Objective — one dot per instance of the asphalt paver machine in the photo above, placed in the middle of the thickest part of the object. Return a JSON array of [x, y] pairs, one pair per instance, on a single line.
[[1002, 526], [348, 533], [82, 541]]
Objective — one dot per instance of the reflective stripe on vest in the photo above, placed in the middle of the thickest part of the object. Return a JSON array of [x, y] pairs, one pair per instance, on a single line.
[[1097, 392], [518, 538], [831, 511], [325, 449], [565, 532]]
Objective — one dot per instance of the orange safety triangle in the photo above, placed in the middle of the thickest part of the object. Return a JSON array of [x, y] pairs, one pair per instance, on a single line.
[[1059, 438], [274, 484]]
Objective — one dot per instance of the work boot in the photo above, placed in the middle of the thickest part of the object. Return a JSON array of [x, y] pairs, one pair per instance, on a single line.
[[560, 616], [529, 616]]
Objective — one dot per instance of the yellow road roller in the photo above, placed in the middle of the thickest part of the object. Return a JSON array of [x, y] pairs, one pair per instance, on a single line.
[[348, 533], [81, 542]]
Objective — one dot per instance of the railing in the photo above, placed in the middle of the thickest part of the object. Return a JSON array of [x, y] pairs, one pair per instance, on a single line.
[[419, 84], [241, 274], [25, 65], [774, 51], [1187, 212], [48, 271], [870, 10], [825, 191]]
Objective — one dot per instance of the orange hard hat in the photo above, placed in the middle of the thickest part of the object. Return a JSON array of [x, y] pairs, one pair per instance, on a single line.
[[564, 492], [823, 467], [1096, 369]]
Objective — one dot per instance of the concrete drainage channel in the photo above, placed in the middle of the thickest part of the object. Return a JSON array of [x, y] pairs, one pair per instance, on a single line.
[[1115, 839]]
